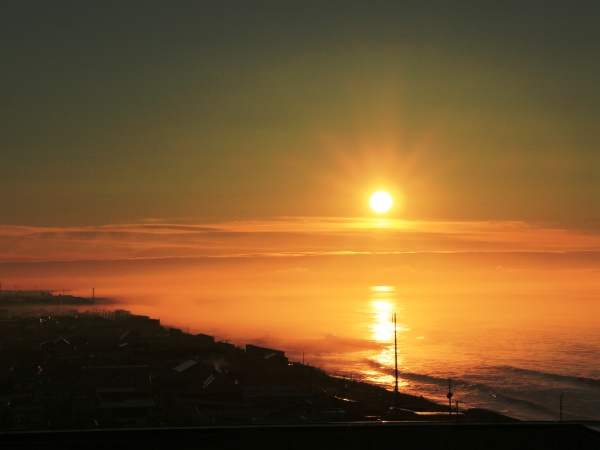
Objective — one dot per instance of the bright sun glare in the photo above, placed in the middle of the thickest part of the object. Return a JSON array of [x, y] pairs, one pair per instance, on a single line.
[[381, 201]]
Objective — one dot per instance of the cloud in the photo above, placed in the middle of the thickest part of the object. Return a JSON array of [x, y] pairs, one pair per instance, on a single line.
[[293, 270], [287, 236]]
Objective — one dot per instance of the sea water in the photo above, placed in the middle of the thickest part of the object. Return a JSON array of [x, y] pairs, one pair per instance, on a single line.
[[526, 365], [519, 342], [527, 354]]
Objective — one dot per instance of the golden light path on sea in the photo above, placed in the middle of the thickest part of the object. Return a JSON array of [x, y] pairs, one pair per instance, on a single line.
[[383, 305]]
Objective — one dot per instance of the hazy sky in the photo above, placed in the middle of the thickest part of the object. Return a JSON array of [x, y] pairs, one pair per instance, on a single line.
[[209, 163], [199, 111]]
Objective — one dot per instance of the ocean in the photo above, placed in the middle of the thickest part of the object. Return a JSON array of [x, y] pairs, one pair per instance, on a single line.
[[523, 353], [529, 361], [519, 342]]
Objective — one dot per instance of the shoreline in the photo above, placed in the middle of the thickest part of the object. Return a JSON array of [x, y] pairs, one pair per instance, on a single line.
[[376, 400]]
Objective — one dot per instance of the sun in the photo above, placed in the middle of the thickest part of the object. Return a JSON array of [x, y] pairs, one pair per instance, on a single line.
[[381, 201]]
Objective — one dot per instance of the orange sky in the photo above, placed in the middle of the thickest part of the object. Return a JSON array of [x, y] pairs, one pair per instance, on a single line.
[[201, 111], [207, 148], [192, 275]]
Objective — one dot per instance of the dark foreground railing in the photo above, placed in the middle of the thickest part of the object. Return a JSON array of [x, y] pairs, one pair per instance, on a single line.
[[355, 435]]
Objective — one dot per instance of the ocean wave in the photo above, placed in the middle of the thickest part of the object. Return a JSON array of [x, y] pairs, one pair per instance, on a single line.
[[586, 382], [520, 401], [424, 378], [516, 402]]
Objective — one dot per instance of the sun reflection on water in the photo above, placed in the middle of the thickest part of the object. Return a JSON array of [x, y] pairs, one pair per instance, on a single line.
[[382, 303], [382, 327], [382, 306]]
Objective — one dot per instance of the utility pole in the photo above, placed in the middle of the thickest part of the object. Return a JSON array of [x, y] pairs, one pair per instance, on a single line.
[[561, 401], [395, 365], [449, 395]]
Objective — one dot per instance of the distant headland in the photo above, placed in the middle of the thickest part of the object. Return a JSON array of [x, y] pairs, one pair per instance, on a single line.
[[41, 297]]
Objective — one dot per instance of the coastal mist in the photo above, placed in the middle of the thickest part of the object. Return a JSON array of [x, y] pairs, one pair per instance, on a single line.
[[513, 334]]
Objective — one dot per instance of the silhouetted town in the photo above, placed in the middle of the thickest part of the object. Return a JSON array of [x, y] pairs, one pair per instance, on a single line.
[[71, 373], [78, 367]]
